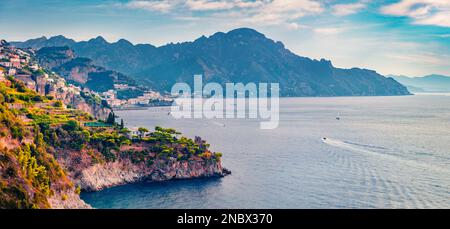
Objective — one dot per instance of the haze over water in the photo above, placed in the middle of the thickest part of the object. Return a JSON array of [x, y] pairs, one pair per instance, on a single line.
[[384, 152]]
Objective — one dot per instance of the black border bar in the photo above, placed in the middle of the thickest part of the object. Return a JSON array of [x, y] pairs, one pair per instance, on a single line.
[[151, 218]]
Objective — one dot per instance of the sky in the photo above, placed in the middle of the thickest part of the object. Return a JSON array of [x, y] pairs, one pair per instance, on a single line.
[[401, 37]]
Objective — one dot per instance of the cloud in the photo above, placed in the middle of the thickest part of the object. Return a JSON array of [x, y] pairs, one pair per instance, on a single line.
[[254, 12], [204, 5], [281, 12], [348, 9], [296, 26], [423, 12], [157, 5], [328, 31], [191, 5], [209, 5]]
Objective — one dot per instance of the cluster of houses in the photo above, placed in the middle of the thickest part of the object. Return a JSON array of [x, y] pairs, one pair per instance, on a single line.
[[111, 97], [20, 64], [17, 63]]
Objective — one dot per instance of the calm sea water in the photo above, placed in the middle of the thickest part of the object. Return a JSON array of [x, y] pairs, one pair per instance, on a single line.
[[384, 152]]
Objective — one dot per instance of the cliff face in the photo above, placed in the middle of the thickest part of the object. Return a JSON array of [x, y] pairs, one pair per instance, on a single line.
[[67, 200], [103, 176], [148, 160], [54, 56]]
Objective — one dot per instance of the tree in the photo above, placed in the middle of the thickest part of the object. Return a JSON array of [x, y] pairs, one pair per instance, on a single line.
[[58, 104], [111, 118], [122, 125], [37, 98], [71, 125], [142, 131]]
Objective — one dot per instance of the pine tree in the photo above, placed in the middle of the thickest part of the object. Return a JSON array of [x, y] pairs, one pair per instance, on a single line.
[[111, 118], [121, 124]]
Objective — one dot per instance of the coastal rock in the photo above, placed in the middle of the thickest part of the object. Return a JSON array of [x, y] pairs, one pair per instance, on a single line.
[[101, 176], [67, 200]]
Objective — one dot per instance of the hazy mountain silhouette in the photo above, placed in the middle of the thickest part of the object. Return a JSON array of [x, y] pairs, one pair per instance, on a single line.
[[430, 83], [241, 55]]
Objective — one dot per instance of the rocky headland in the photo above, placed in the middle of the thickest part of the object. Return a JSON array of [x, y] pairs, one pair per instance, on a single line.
[[54, 143]]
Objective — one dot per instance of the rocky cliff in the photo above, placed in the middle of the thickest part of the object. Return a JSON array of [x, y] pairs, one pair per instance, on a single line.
[[67, 200], [101, 176]]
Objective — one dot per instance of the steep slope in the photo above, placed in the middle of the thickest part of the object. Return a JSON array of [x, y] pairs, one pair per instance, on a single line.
[[30, 176], [80, 70]]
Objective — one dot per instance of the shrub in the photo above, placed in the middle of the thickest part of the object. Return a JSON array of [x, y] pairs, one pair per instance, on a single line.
[[16, 132], [58, 104], [71, 125], [37, 98], [78, 190]]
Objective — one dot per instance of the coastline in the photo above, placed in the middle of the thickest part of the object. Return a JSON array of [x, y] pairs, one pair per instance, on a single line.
[[99, 177], [143, 107]]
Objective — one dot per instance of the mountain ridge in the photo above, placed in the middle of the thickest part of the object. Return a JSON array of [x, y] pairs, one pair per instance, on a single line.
[[240, 55], [428, 83]]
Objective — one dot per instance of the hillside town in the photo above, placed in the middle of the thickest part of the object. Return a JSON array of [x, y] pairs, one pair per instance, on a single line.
[[21, 64], [148, 98]]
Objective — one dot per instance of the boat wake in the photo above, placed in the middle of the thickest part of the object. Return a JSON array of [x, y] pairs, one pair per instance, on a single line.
[[382, 153], [217, 123]]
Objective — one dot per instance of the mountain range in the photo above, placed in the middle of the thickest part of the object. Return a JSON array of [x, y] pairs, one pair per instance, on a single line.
[[80, 70], [430, 83], [241, 55]]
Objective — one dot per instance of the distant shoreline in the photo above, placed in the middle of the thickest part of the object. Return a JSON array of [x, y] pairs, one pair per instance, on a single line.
[[284, 97], [140, 107]]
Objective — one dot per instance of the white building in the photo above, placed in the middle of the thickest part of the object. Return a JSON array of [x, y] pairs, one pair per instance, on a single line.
[[34, 67], [120, 86], [12, 71]]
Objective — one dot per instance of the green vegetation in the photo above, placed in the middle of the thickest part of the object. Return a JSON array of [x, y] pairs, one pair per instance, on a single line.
[[142, 131], [100, 81], [58, 104], [122, 125], [78, 190], [91, 99], [129, 93], [29, 172], [111, 118], [34, 172], [37, 129]]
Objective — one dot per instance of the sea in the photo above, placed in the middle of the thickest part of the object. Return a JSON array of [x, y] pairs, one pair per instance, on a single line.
[[331, 152]]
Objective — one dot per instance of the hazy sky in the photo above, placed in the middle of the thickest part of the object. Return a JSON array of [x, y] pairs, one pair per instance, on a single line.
[[410, 37]]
